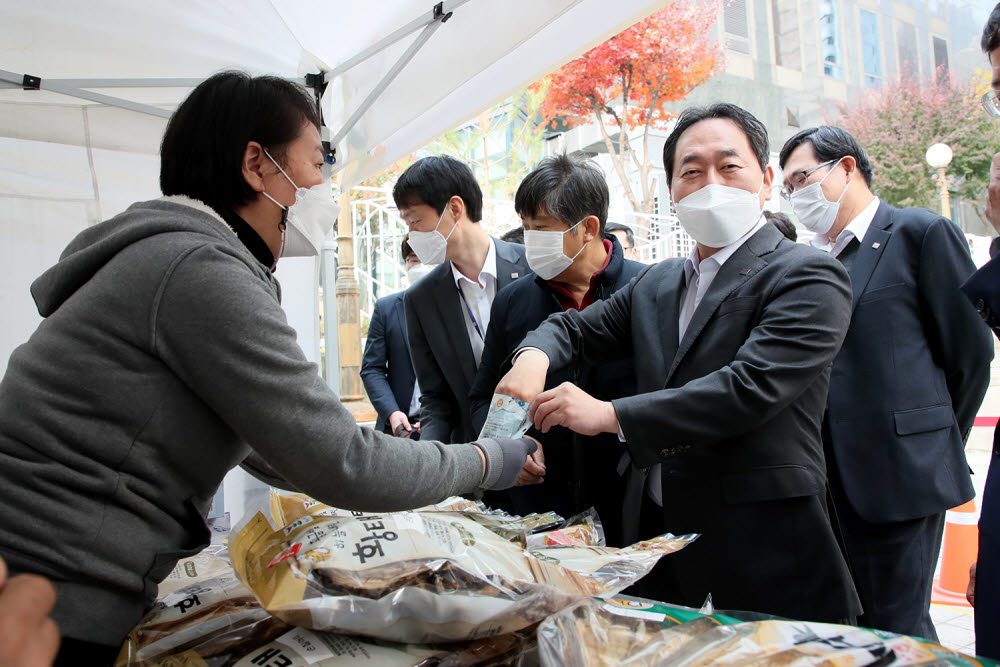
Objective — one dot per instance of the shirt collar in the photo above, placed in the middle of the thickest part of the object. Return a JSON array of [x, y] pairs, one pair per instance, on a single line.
[[693, 262], [489, 268], [855, 229]]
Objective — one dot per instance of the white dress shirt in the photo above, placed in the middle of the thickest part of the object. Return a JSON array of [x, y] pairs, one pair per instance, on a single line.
[[698, 274], [476, 300], [855, 229]]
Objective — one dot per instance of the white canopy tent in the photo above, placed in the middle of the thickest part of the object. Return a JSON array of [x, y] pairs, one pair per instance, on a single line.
[[85, 91], [79, 134]]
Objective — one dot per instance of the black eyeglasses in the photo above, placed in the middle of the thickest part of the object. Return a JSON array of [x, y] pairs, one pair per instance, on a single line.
[[799, 178]]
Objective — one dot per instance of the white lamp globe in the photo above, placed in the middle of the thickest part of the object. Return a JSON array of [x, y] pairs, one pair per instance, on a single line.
[[939, 155]]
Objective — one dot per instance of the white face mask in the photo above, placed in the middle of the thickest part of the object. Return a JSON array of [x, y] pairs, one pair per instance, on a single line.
[[717, 215], [544, 252], [813, 209], [431, 247], [310, 218], [415, 273]]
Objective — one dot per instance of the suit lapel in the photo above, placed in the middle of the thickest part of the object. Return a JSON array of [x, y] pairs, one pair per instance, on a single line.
[[870, 252], [739, 268], [668, 306], [508, 269], [456, 336]]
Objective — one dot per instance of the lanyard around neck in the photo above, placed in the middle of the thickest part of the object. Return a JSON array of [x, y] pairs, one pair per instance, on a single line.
[[472, 317]]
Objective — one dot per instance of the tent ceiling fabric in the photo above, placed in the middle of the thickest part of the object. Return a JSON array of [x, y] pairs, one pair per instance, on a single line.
[[486, 50]]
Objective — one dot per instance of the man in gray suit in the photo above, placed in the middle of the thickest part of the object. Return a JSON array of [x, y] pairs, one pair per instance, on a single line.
[[448, 311], [736, 343], [907, 383]]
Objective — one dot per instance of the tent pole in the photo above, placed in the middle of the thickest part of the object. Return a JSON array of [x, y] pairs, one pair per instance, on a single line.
[[384, 83], [55, 87]]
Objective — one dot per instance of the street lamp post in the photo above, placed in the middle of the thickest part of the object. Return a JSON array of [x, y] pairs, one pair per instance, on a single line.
[[939, 157]]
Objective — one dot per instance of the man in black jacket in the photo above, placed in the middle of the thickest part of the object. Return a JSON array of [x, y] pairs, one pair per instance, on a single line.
[[447, 313], [907, 383], [563, 204]]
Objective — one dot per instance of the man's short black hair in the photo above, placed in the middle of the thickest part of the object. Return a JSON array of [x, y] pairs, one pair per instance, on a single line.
[[404, 248], [991, 31], [829, 143], [434, 181], [202, 150], [618, 227], [754, 130], [515, 235], [783, 223], [567, 188]]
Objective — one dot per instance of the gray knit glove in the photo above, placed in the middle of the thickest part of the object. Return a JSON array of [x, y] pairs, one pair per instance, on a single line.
[[505, 458]]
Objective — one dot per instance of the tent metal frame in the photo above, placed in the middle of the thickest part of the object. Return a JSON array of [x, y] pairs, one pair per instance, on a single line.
[[440, 13]]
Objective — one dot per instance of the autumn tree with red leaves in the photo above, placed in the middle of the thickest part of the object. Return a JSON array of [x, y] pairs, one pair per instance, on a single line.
[[627, 81]]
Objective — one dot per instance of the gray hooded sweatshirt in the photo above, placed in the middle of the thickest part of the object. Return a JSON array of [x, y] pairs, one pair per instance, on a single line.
[[163, 361]]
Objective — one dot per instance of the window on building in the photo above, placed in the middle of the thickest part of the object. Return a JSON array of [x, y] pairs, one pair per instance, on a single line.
[[787, 46], [737, 26], [940, 55], [871, 49], [906, 40], [829, 34]]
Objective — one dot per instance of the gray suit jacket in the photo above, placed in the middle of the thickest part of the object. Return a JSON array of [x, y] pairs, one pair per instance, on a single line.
[[913, 370], [440, 349], [732, 412]]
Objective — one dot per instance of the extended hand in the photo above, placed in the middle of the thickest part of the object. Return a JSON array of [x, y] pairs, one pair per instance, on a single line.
[[568, 405], [28, 637], [526, 379], [400, 425], [534, 467], [993, 194]]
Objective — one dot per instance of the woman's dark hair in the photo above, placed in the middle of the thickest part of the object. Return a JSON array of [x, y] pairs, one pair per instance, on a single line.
[[753, 128], [206, 138], [567, 188], [829, 143], [991, 32], [436, 179]]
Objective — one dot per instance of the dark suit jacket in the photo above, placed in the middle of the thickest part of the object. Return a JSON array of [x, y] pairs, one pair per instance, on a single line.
[[732, 412], [385, 368], [581, 470], [983, 290], [913, 370], [440, 349]]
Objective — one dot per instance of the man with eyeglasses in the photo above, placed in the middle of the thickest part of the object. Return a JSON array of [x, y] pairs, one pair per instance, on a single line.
[[983, 289], [907, 383]]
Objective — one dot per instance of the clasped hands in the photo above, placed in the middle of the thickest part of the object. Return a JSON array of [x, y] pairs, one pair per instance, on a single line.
[[566, 405]]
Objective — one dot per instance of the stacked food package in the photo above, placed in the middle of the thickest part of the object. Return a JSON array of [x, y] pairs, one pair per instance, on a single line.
[[448, 584]]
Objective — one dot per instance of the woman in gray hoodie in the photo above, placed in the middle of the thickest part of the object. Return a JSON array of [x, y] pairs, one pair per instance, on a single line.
[[164, 360]]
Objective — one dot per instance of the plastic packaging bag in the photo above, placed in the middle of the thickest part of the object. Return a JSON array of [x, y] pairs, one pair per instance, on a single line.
[[619, 632], [419, 577], [595, 632], [584, 529], [507, 418]]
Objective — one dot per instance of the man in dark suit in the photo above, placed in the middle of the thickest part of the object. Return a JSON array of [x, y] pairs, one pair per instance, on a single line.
[[448, 312], [735, 346], [385, 367], [983, 289], [563, 204], [907, 383]]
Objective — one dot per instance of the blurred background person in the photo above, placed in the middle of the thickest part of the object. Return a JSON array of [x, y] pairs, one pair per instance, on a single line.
[[784, 225], [386, 369], [626, 238]]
